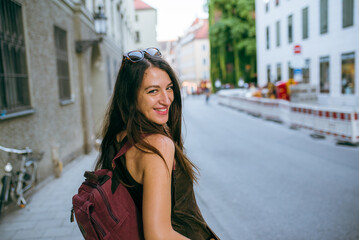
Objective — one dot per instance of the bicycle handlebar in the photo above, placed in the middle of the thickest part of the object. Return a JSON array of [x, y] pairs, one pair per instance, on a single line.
[[27, 150]]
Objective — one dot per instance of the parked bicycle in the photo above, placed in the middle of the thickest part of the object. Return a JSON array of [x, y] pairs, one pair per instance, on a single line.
[[16, 182]]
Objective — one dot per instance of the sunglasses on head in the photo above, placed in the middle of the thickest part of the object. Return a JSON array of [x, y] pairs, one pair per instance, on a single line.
[[138, 55]]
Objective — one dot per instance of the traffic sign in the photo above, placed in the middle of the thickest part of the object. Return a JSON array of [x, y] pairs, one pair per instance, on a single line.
[[298, 71], [297, 49]]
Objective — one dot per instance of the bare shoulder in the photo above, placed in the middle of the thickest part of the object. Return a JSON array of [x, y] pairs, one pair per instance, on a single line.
[[161, 142], [164, 145]]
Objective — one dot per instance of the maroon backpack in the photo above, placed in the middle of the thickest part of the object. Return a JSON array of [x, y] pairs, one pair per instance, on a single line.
[[101, 214]]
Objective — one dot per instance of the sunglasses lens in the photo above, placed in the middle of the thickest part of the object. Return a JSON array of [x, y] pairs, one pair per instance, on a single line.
[[153, 52], [135, 56]]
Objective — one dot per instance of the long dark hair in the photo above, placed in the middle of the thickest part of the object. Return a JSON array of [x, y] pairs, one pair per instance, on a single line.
[[123, 115]]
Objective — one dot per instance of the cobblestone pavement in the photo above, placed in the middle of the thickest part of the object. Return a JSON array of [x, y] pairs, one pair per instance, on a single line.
[[47, 215]]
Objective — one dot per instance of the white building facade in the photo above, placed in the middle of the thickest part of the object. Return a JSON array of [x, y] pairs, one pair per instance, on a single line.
[[325, 35], [145, 25], [119, 39]]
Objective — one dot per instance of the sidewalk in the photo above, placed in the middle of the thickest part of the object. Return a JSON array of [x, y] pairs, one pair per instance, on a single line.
[[47, 215]]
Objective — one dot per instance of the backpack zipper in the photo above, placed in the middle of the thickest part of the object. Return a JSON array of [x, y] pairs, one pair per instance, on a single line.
[[103, 195], [98, 227]]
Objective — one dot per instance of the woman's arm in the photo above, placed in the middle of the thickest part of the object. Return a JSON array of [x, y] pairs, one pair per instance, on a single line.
[[157, 190]]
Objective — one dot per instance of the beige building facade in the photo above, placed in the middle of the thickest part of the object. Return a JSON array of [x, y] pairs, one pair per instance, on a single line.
[[194, 59], [145, 25], [54, 100]]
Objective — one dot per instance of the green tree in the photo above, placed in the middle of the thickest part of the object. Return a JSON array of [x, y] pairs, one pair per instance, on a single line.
[[232, 38]]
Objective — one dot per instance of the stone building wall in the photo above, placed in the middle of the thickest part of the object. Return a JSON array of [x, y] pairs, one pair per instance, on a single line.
[[52, 125], [65, 131]]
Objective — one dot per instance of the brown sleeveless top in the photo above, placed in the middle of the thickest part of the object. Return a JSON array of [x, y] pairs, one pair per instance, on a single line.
[[186, 217]]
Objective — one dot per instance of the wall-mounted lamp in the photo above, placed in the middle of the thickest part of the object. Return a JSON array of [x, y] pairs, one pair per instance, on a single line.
[[100, 28]]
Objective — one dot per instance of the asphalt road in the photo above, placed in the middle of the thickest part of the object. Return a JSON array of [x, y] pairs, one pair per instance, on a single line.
[[262, 180], [259, 180]]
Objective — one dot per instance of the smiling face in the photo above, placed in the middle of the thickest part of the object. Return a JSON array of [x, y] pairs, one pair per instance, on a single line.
[[155, 95]]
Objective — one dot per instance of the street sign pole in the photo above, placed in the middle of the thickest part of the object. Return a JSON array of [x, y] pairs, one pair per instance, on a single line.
[[298, 63]]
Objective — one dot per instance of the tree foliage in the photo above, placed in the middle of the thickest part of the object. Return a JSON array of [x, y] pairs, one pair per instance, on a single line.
[[232, 37]]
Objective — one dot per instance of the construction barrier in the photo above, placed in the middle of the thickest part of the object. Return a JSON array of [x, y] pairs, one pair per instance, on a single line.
[[301, 116], [341, 123]]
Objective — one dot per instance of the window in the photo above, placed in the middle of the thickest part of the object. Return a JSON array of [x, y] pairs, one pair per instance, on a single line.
[[204, 61], [279, 72], [267, 6], [290, 71], [324, 74], [323, 16], [268, 74], [204, 47], [276, 2], [14, 86], [305, 23], [306, 71], [290, 28], [136, 18], [267, 38], [348, 73], [277, 28], [62, 64], [137, 37], [348, 13]]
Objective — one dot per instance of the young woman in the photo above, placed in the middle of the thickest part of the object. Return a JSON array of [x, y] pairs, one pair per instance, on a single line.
[[146, 110]]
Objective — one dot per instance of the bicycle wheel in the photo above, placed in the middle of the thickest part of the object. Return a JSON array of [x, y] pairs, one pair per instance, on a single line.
[[4, 192], [30, 178]]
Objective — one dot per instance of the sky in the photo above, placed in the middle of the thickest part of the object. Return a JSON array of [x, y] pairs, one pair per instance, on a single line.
[[175, 16]]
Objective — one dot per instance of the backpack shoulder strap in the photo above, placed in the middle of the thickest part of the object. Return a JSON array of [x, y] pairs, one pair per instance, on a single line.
[[122, 151], [126, 147]]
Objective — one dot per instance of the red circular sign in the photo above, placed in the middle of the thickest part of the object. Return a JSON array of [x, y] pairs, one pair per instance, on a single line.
[[297, 49]]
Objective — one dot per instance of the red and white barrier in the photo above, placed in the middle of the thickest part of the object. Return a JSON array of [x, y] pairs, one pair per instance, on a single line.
[[301, 116], [342, 124]]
